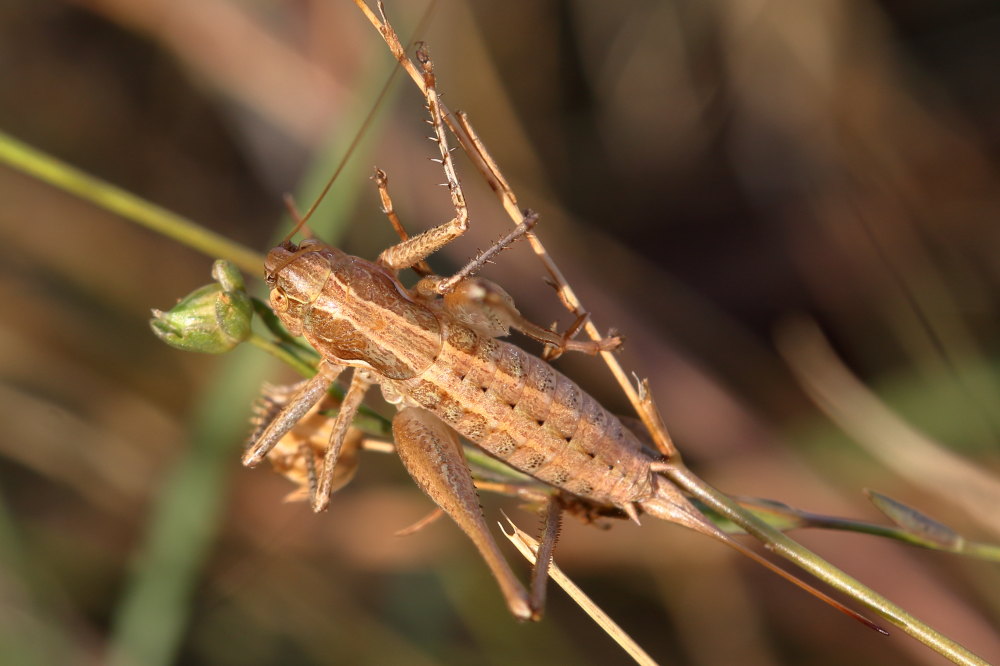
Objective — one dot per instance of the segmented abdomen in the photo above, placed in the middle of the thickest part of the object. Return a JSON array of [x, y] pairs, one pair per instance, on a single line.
[[524, 412]]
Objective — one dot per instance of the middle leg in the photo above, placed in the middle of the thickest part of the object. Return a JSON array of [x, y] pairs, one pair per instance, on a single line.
[[360, 383], [489, 308]]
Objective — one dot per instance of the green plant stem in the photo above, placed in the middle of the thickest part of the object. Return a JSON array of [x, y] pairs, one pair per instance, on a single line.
[[28, 160], [785, 518], [795, 552], [986, 551], [282, 354]]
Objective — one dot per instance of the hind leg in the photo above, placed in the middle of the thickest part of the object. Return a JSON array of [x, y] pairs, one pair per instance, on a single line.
[[432, 455]]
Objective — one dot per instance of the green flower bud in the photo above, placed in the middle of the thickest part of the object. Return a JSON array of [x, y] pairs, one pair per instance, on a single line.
[[212, 319]]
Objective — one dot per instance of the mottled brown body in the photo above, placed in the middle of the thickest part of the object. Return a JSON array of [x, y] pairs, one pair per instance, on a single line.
[[433, 351], [521, 410], [512, 404], [439, 363]]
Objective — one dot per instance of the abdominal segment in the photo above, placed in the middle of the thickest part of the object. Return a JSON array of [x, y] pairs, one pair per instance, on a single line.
[[521, 410]]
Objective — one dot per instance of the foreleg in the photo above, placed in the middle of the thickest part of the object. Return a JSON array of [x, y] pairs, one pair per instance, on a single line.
[[307, 395]]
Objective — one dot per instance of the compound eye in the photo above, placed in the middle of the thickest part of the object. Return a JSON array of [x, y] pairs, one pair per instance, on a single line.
[[279, 302], [270, 278]]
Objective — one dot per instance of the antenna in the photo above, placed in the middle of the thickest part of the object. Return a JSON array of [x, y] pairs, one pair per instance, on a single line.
[[300, 221], [289, 203]]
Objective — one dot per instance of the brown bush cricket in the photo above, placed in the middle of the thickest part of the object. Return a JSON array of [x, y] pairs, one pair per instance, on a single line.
[[433, 351]]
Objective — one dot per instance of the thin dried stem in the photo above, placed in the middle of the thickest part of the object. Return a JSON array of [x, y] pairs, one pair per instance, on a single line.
[[528, 547], [459, 125], [673, 468]]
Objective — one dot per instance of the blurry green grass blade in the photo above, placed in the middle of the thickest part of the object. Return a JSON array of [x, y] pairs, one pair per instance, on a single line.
[[155, 608], [26, 159], [153, 613], [28, 635]]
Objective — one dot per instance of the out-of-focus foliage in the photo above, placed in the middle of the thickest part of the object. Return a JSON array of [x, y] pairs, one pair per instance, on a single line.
[[703, 170]]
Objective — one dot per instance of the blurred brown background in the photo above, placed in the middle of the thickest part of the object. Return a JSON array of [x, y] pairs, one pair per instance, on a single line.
[[704, 171]]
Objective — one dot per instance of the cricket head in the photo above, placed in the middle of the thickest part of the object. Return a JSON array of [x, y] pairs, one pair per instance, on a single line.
[[296, 275], [354, 312]]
